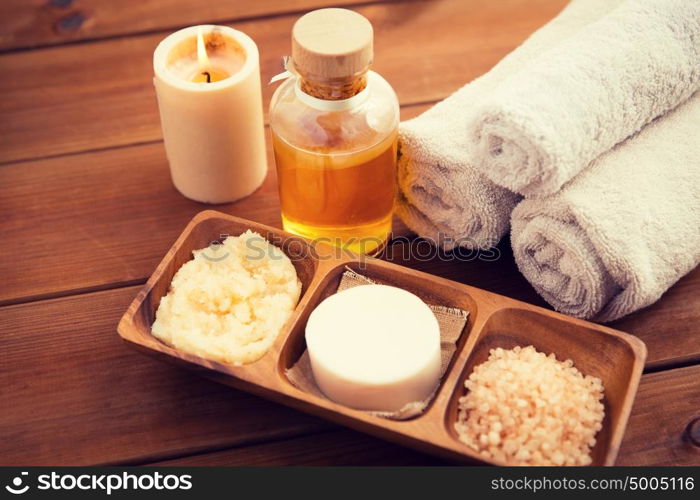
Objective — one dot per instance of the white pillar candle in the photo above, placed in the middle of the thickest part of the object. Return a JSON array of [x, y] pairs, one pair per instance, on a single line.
[[210, 103]]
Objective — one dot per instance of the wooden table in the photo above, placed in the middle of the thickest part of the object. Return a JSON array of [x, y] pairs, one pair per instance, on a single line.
[[88, 210]]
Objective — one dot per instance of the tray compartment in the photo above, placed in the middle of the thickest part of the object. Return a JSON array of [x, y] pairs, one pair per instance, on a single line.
[[616, 358], [381, 272], [205, 228]]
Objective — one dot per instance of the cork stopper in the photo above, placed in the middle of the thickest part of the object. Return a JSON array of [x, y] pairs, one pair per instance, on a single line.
[[332, 46]]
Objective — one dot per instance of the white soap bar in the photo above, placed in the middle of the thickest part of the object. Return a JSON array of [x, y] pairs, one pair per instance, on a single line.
[[374, 347]]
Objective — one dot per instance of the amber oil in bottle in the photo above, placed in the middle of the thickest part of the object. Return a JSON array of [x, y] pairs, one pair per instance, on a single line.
[[334, 131]]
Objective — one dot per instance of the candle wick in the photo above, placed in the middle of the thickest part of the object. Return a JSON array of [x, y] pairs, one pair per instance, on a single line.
[[208, 76]]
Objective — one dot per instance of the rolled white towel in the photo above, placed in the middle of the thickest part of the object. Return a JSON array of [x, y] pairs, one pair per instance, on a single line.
[[442, 196], [623, 231], [451, 207], [541, 127]]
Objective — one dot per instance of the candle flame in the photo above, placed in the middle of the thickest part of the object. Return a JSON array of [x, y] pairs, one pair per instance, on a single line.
[[202, 57]]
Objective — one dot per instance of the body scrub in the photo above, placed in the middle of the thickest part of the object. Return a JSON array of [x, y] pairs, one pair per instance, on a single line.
[[374, 347], [526, 408], [229, 305]]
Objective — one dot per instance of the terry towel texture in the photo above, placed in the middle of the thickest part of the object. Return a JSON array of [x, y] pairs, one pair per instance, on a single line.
[[623, 231], [442, 195], [540, 128]]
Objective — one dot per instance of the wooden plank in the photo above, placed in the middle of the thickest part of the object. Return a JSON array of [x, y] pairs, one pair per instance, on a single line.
[[90, 220], [32, 23], [341, 447], [669, 327], [74, 393], [94, 220], [666, 402], [98, 95], [98, 220]]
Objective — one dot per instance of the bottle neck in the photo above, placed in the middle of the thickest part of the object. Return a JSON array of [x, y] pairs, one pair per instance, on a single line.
[[336, 89]]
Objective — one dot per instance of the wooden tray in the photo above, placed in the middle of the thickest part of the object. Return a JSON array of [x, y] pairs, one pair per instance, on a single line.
[[494, 321]]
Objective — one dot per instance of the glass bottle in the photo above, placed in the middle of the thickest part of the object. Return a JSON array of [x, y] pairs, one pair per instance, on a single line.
[[334, 130]]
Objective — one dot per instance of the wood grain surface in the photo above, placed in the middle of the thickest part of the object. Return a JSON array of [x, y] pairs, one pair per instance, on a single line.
[[73, 393], [88, 210], [666, 403], [84, 386], [33, 23], [103, 97], [94, 220], [338, 447], [650, 439]]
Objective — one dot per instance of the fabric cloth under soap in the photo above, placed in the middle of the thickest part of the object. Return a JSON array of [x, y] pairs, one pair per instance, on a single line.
[[451, 321]]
